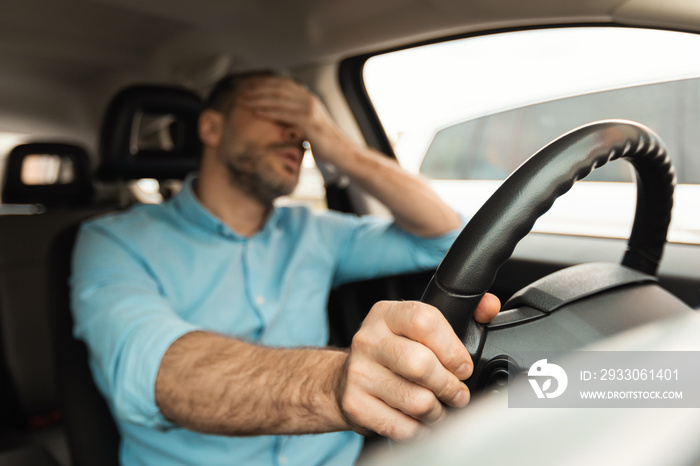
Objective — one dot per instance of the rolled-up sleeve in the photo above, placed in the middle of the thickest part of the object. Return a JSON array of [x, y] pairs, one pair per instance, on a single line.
[[121, 314], [375, 247]]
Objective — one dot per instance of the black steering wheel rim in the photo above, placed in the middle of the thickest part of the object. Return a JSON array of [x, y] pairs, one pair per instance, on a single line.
[[488, 240]]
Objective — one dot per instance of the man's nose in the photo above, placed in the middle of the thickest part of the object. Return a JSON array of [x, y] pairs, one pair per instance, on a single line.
[[291, 134]]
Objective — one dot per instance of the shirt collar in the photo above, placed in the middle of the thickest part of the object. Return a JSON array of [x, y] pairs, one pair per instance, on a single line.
[[187, 203]]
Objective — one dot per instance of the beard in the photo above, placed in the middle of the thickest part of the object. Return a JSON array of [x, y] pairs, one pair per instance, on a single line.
[[248, 171]]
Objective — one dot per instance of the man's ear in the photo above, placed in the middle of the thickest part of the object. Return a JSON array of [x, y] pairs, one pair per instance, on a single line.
[[211, 127]]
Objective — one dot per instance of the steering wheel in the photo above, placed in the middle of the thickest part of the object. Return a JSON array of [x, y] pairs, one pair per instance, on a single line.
[[488, 240]]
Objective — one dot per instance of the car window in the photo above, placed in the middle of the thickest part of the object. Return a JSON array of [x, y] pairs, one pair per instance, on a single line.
[[670, 108], [466, 113]]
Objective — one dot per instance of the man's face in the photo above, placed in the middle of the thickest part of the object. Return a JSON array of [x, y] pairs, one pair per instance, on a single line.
[[263, 157]]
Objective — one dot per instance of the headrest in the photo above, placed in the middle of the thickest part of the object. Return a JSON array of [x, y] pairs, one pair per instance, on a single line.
[[52, 174], [150, 132]]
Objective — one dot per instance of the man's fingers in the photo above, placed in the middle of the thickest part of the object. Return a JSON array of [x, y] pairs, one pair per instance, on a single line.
[[375, 415], [273, 91], [405, 362], [487, 309], [280, 105], [418, 364], [413, 400], [263, 101], [425, 324]]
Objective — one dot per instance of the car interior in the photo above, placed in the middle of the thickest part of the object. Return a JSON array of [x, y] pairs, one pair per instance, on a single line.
[[99, 101]]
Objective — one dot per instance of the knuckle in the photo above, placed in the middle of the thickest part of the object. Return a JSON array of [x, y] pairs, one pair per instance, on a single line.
[[377, 312], [456, 356], [363, 339], [449, 390], [406, 431], [381, 306], [351, 407], [419, 366], [423, 405], [391, 347], [359, 339], [423, 320], [386, 428], [356, 375], [401, 431]]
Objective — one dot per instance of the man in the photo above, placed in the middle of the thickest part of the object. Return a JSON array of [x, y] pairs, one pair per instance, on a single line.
[[206, 315]]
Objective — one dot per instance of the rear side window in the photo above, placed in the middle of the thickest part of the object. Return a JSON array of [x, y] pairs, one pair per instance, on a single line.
[[466, 113], [496, 142]]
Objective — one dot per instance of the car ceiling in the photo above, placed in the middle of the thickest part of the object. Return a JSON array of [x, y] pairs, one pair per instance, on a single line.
[[91, 47]]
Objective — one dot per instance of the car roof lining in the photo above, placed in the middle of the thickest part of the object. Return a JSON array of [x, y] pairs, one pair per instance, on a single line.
[[61, 62], [97, 38]]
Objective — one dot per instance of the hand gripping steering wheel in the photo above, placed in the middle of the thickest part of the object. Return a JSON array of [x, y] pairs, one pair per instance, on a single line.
[[469, 268]]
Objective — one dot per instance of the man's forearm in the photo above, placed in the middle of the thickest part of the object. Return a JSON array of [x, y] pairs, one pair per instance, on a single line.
[[415, 206], [213, 384]]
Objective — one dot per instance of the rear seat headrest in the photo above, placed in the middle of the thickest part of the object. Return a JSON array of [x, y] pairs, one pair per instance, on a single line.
[[71, 186], [150, 132]]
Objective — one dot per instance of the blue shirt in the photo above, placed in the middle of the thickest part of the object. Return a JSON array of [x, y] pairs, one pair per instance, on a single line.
[[143, 278]]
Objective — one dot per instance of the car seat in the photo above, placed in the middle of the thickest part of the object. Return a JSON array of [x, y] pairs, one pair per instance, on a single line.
[[29, 409], [125, 156], [76, 190]]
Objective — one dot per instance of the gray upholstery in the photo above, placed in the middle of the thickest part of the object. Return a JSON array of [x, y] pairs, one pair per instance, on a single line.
[[24, 305], [28, 456], [30, 407]]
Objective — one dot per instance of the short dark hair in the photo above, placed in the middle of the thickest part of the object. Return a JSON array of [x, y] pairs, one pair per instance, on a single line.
[[222, 97]]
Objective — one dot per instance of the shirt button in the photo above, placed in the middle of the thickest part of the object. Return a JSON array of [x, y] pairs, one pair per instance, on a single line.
[[225, 232], [283, 460], [259, 300]]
